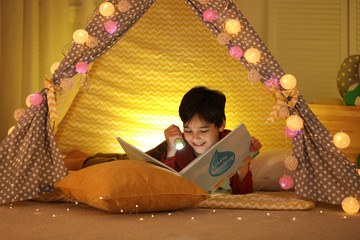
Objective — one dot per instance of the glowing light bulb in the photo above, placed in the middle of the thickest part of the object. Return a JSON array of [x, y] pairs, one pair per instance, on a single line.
[[294, 122], [288, 81], [106, 9], [252, 55], [341, 140], [179, 144], [54, 66], [233, 26], [350, 205], [80, 36]]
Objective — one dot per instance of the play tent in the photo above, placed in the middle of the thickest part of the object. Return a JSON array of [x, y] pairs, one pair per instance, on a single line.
[[30, 157]]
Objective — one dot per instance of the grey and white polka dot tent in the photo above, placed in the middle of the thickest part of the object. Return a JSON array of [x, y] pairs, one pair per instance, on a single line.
[[30, 161]]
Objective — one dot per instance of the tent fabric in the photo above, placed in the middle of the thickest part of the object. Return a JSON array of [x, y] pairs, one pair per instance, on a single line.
[[138, 84], [326, 173], [30, 160]]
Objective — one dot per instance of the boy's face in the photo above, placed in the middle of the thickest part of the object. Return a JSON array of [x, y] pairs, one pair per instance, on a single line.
[[201, 135]]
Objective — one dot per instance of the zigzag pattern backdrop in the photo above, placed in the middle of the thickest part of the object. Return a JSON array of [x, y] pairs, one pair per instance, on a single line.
[[137, 86]]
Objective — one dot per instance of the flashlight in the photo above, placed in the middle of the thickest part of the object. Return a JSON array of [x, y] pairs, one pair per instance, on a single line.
[[179, 144]]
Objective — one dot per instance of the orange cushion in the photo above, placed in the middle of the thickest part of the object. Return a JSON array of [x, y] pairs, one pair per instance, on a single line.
[[131, 186]]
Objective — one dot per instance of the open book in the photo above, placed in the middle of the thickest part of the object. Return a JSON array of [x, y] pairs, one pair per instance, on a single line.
[[212, 168]]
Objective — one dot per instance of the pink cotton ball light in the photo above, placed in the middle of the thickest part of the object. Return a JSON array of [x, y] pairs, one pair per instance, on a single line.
[[110, 27], [271, 82], [82, 67], [35, 99], [290, 133], [286, 182], [209, 15], [236, 52]]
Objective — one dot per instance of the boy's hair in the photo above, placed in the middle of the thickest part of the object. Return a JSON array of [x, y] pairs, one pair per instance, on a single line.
[[208, 104]]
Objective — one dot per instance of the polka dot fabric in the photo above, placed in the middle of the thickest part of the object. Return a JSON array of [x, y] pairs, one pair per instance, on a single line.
[[30, 162], [324, 173]]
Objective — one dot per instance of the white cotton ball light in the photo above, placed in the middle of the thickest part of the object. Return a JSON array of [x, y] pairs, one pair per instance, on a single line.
[[252, 55], [254, 76], [80, 36], [223, 38], [350, 205], [123, 6], [341, 140], [18, 113], [106, 9], [233, 26], [294, 122], [291, 163], [54, 66], [288, 81], [92, 42], [66, 84]]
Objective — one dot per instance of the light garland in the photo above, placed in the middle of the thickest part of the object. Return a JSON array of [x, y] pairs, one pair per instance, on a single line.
[[80, 36]]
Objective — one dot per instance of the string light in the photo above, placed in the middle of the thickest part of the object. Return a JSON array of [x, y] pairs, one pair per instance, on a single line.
[[80, 36], [350, 205], [341, 140], [106, 9], [54, 66], [288, 81], [252, 55], [233, 26], [294, 122]]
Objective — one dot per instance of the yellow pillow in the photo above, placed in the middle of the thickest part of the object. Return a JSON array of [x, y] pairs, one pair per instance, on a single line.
[[131, 186]]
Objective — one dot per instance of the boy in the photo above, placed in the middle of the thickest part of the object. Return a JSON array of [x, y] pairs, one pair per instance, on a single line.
[[202, 112]]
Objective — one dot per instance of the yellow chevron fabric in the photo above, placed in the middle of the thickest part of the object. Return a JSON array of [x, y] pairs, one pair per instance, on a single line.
[[137, 86], [282, 200]]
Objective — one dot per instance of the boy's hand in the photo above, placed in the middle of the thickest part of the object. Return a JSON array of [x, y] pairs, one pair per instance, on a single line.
[[255, 145], [171, 134]]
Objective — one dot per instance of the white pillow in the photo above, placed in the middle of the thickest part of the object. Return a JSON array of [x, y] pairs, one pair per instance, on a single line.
[[267, 168]]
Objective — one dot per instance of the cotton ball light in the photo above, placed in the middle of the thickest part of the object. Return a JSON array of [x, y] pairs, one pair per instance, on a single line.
[[288, 81], [106, 9], [10, 130], [209, 15], [18, 113], [123, 6], [350, 205], [92, 42], [294, 122], [290, 133], [291, 163], [35, 99], [82, 67], [254, 76], [236, 52], [110, 27], [286, 182], [341, 140], [271, 82], [233, 26], [66, 84], [252, 55], [80, 36], [54, 66], [283, 111], [223, 38]]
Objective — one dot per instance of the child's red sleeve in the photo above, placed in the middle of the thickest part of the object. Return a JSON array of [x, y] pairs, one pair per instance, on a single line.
[[242, 187]]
